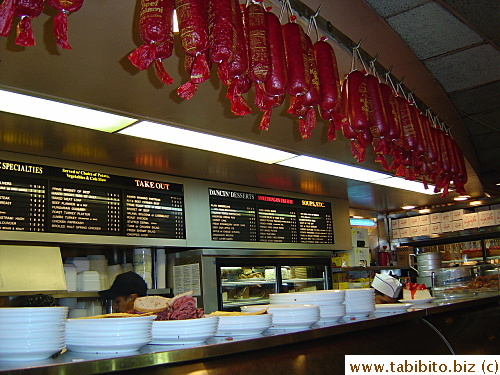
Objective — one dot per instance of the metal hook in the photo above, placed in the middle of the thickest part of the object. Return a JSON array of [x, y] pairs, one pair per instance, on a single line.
[[359, 44], [317, 11]]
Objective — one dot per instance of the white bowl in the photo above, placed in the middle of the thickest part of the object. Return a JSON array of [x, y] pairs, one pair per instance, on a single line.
[[29, 354]]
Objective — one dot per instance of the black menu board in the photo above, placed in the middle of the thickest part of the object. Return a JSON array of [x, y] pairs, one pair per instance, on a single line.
[[154, 215], [240, 216], [22, 204], [61, 200], [84, 209]]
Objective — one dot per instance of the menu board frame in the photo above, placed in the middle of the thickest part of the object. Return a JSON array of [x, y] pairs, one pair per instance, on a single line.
[[81, 179], [277, 207]]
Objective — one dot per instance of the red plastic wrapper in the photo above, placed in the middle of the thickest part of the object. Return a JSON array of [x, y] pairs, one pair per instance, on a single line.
[[220, 30], [156, 30], [192, 16], [26, 10], [258, 43], [6, 16], [65, 7]]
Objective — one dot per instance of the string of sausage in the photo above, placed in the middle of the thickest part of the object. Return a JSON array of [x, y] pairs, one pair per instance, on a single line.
[[65, 7], [156, 31]]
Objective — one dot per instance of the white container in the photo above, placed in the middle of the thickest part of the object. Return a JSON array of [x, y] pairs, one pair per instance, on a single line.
[[435, 228], [414, 221], [446, 226], [415, 231], [470, 221], [435, 218], [446, 216], [404, 232], [396, 233], [486, 218], [161, 269], [404, 222], [425, 230], [424, 220], [70, 272], [457, 225]]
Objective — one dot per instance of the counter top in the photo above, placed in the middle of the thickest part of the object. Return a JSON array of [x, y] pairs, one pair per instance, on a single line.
[[151, 355]]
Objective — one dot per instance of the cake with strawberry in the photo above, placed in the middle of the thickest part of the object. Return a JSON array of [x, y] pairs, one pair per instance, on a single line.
[[415, 291]]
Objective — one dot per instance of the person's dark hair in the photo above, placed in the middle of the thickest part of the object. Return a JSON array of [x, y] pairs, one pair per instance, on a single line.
[[126, 284]]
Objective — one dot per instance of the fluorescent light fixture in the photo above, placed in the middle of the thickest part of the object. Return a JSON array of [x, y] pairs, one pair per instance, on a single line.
[[400, 183], [309, 163], [362, 222], [408, 207], [50, 110], [424, 211], [475, 203], [207, 142], [357, 217], [461, 198]]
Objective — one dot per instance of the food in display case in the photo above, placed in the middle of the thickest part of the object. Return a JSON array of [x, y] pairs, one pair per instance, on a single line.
[[466, 281]]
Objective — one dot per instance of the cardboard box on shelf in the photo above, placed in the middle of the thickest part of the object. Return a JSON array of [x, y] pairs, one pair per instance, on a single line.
[[470, 221], [486, 218], [458, 225], [446, 226], [359, 237], [415, 231], [404, 222], [402, 255], [425, 230], [394, 224], [414, 221], [445, 216], [435, 228], [497, 217], [404, 232], [435, 217], [457, 214], [396, 233], [340, 259], [424, 220]]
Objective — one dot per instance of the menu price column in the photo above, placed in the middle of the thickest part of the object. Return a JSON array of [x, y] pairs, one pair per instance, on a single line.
[[315, 227]]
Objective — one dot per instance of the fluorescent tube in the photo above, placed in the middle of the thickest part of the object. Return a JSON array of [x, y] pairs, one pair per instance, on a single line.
[[50, 110], [207, 142]]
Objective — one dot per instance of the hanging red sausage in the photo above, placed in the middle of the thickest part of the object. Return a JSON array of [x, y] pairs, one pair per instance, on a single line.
[[6, 16], [193, 31], [220, 30], [257, 43], [156, 30], [329, 84], [296, 58], [26, 10], [65, 7]]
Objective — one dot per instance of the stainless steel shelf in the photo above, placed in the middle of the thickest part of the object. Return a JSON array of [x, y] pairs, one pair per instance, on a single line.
[[370, 268], [64, 294]]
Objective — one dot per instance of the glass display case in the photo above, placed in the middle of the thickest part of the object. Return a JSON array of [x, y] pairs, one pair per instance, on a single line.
[[231, 278], [244, 284]]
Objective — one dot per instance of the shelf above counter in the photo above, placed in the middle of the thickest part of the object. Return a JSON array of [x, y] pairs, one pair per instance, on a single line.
[[450, 237], [247, 282]]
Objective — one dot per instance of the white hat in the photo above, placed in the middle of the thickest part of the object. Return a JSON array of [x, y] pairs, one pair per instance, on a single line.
[[387, 285]]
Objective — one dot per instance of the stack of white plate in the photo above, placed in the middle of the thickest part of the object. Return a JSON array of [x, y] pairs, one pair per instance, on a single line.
[[88, 281], [31, 333], [99, 263], [243, 325], [108, 335], [359, 303], [385, 309], [330, 302], [289, 316], [188, 331]]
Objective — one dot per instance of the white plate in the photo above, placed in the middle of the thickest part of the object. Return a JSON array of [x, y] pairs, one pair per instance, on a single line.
[[28, 354], [416, 301], [107, 348], [181, 340]]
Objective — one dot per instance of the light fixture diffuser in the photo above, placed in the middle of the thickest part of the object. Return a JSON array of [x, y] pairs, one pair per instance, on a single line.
[[50, 110], [207, 142], [400, 183], [309, 163]]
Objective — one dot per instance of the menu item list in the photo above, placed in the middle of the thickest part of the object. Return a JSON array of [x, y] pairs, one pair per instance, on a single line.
[[22, 204], [238, 216], [38, 198]]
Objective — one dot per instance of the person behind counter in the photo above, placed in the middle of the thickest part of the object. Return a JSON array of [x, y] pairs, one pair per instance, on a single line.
[[125, 289], [387, 288]]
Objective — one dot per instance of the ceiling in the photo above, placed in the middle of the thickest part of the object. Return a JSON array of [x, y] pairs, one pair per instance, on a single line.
[[96, 73], [458, 42]]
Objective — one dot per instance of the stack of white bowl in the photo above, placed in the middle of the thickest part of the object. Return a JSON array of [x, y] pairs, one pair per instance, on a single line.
[[109, 335], [81, 263], [113, 271], [99, 263], [88, 281], [31, 333], [70, 272], [330, 302], [188, 331], [359, 303], [288, 316], [243, 325]]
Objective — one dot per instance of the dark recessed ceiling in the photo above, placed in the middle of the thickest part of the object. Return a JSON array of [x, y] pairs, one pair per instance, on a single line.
[[457, 40]]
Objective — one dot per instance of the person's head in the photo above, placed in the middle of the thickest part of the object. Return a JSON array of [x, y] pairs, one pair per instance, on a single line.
[[387, 288], [124, 290]]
